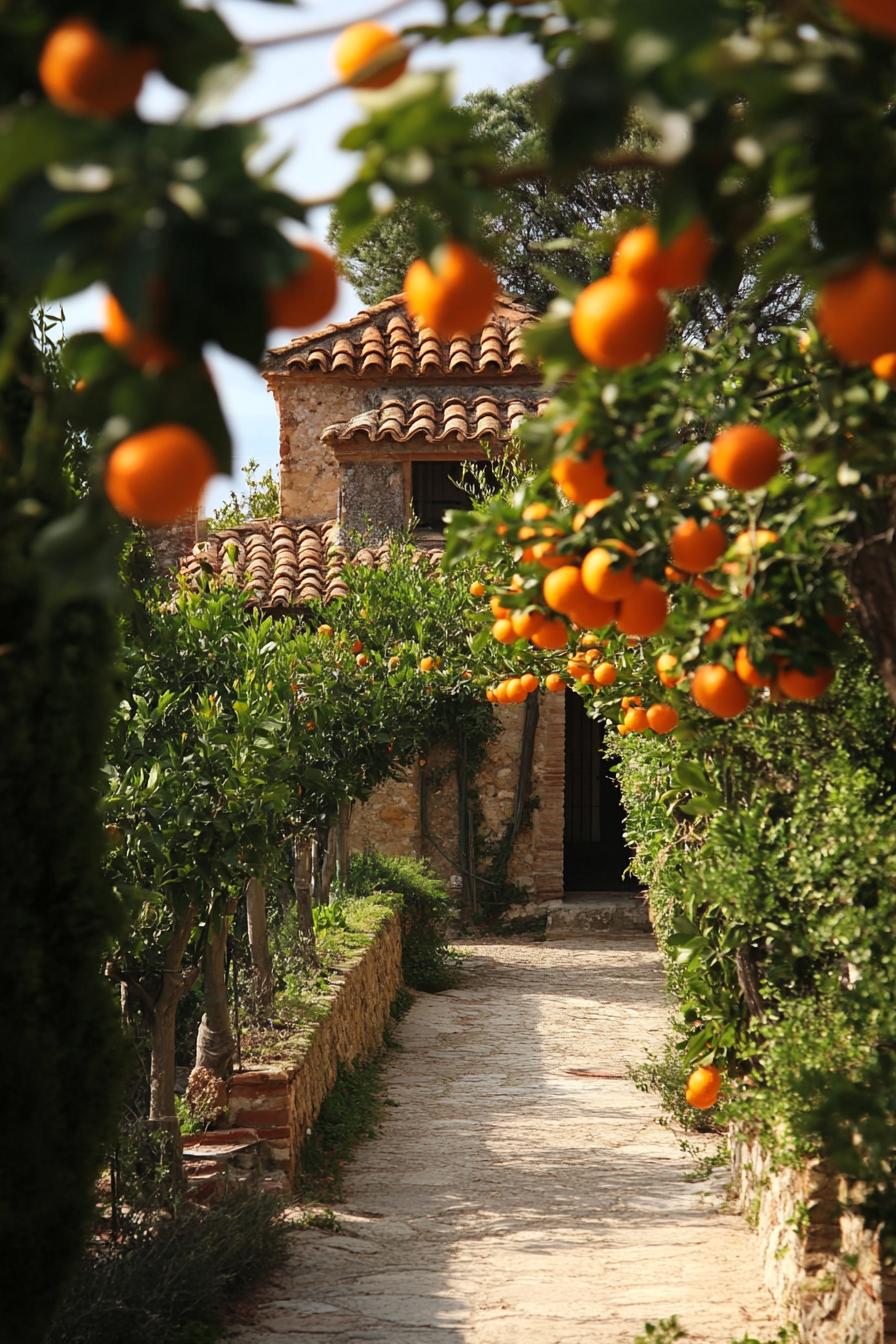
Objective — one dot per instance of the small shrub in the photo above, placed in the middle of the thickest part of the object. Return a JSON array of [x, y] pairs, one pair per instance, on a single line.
[[170, 1278], [426, 911], [665, 1073]]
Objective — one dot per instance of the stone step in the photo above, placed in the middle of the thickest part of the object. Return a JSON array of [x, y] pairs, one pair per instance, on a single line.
[[615, 914]]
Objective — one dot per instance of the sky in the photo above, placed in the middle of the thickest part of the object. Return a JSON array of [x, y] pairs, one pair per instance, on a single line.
[[315, 165]]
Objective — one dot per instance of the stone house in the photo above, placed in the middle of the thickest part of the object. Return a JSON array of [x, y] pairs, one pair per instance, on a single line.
[[375, 417]]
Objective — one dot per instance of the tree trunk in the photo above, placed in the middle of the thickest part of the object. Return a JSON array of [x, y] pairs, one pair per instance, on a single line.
[[214, 1039], [259, 948], [303, 882], [341, 838], [175, 982], [871, 570], [323, 864]]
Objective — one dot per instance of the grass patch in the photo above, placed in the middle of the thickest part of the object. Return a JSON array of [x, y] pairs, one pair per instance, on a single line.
[[170, 1278]]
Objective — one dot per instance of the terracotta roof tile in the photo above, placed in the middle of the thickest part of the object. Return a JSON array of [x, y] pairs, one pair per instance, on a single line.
[[283, 565], [382, 342], [470, 420]]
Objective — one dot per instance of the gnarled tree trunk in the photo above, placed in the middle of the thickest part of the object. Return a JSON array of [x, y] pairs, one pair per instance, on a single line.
[[259, 947]]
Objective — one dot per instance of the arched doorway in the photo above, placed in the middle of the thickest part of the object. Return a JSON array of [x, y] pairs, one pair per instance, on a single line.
[[595, 855]]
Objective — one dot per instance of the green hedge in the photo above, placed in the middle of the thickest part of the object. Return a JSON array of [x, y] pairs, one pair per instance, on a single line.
[[782, 859], [426, 910]]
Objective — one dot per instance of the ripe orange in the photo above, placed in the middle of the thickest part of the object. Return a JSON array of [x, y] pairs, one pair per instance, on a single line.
[[643, 612], [591, 509], [552, 635], [753, 539], [856, 312], [666, 665], [603, 575], [703, 1087], [592, 613], [514, 692], [579, 669], [747, 670], [456, 297], [604, 674], [534, 513], [310, 726], [503, 631], [719, 690], [88, 74], [681, 264], [326, 632], [553, 682], [427, 664], [529, 682], [526, 623], [617, 322], [141, 347], [362, 660], [628, 700], [357, 646], [499, 611], [500, 693], [695, 548], [885, 367], [369, 56], [307, 296], [562, 588], [477, 589], [158, 474], [544, 553], [582, 480], [797, 685], [662, 718], [635, 720], [490, 695], [744, 457]]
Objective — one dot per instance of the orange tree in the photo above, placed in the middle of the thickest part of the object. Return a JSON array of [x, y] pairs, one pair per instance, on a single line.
[[192, 248], [237, 733], [768, 124]]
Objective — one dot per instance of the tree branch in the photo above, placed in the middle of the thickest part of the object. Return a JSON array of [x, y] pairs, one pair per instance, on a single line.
[[325, 29]]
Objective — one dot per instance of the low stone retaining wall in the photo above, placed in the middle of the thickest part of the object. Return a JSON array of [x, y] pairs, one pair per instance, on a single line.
[[280, 1101], [820, 1264]]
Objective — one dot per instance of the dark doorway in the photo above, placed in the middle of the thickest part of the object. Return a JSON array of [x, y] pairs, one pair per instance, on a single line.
[[595, 854]]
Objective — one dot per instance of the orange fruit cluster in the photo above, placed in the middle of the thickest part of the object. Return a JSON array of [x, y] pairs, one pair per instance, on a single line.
[[513, 690], [621, 319]]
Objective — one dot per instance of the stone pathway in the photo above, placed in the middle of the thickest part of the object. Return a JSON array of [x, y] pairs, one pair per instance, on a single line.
[[510, 1199]]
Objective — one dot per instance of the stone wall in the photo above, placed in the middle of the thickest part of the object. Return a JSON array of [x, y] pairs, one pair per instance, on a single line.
[[280, 1101], [820, 1263], [390, 820], [309, 474]]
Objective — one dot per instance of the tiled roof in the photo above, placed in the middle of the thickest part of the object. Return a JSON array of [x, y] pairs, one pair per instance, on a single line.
[[383, 342], [452, 418], [285, 565]]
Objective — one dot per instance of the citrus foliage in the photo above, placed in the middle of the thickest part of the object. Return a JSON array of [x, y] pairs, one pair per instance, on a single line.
[[773, 903]]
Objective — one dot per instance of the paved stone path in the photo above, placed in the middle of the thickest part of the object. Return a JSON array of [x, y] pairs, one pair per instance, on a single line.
[[509, 1200]]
